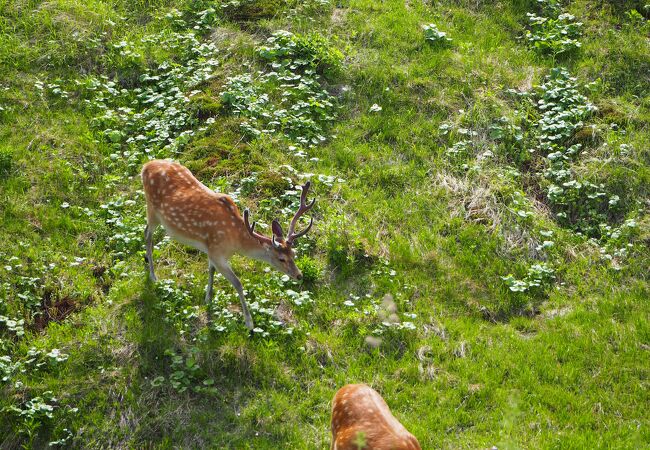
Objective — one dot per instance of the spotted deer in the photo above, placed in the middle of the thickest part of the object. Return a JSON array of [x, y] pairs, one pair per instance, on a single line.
[[193, 214], [361, 420]]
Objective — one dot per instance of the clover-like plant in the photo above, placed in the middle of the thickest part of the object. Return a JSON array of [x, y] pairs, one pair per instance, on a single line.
[[434, 36]]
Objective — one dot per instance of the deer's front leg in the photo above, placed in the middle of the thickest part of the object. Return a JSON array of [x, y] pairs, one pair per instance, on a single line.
[[226, 271]]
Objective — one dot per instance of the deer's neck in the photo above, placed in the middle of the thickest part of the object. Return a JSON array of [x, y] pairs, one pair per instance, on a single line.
[[252, 247]]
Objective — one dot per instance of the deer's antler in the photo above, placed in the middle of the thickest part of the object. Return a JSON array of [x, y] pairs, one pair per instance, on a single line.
[[304, 207], [251, 228]]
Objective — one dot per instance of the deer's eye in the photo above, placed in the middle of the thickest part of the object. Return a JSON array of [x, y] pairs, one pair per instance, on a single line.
[[282, 259]]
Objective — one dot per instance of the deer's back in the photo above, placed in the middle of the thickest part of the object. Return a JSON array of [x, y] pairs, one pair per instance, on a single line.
[[360, 414], [186, 207]]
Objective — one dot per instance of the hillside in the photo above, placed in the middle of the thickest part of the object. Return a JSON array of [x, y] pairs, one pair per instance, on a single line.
[[481, 242]]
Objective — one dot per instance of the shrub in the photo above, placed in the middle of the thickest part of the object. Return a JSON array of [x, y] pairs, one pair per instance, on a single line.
[[309, 268]]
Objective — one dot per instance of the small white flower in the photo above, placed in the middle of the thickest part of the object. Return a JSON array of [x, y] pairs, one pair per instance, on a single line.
[[65, 205], [375, 108]]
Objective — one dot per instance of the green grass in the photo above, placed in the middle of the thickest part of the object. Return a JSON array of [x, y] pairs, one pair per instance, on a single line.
[[403, 212]]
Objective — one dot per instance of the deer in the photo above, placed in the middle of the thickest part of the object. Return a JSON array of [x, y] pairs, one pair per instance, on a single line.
[[361, 419], [193, 214]]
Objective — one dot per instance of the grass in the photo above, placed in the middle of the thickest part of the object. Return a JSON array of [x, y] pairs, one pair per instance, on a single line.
[[404, 214]]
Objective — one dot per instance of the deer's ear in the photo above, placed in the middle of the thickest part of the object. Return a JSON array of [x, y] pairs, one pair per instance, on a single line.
[[277, 229]]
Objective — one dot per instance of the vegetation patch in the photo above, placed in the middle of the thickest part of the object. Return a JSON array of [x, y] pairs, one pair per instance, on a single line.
[[288, 97], [433, 35], [555, 32]]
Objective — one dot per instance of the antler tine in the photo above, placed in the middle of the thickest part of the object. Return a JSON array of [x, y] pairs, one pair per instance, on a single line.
[[303, 232], [251, 228], [304, 207]]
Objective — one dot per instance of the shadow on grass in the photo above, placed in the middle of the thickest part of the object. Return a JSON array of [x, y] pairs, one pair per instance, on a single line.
[[234, 370]]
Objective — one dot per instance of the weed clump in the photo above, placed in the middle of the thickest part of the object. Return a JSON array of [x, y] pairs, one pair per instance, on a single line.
[[302, 52], [558, 33], [434, 36]]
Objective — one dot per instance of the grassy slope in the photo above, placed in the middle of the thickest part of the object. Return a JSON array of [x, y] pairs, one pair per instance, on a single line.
[[574, 375]]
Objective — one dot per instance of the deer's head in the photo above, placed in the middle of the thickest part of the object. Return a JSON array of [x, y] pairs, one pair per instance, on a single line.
[[278, 250]]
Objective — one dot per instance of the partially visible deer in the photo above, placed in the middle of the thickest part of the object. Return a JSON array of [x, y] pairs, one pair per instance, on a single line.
[[195, 215], [361, 420]]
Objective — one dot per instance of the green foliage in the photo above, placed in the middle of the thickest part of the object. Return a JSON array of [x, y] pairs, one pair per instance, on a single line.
[[125, 227], [264, 298], [300, 53], [154, 119], [579, 204], [6, 162], [37, 412], [250, 9], [345, 253], [25, 285], [33, 361], [539, 276], [309, 268], [556, 34], [435, 36], [176, 306], [446, 191], [288, 98]]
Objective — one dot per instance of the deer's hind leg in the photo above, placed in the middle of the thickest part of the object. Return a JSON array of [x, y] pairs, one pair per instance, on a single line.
[[152, 224], [209, 293]]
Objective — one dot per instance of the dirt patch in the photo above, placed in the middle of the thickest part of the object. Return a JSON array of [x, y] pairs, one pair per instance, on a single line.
[[338, 15], [559, 312], [54, 309], [284, 313]]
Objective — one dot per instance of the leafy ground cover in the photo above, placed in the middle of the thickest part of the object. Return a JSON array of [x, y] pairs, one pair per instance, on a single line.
[[480, 252]]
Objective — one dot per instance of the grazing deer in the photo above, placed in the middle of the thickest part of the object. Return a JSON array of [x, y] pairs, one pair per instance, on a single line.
[[361, 420], [195, 215]]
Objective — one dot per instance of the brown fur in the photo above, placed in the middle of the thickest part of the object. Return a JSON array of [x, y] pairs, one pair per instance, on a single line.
[[358, 409]]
